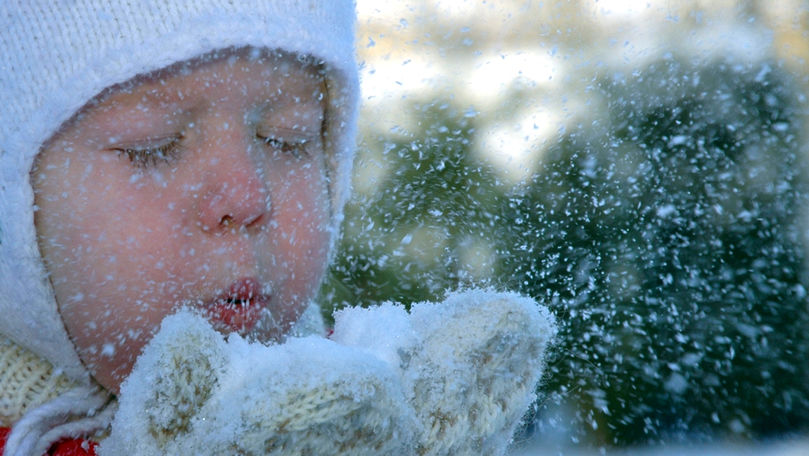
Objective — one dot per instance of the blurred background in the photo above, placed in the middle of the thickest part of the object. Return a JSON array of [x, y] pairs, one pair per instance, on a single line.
[[640, 167]]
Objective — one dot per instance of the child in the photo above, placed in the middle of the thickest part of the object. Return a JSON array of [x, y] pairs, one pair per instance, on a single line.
[[172, 155]]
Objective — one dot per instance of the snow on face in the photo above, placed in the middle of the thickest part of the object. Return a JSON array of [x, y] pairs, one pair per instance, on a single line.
[[201, 185]]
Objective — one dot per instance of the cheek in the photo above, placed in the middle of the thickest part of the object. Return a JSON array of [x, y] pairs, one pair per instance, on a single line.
[[115, 231], [303, 215], [101, 239], [114, 252], [302, 228]]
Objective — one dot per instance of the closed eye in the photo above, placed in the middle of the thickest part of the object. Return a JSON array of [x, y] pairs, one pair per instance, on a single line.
[[148, 155], [294, 146]]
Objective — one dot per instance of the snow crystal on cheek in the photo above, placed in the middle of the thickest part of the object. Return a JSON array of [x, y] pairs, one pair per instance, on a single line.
[[108, 350]]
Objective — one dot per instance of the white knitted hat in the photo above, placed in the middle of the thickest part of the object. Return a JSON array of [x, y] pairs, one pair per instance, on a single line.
[[56, 56]]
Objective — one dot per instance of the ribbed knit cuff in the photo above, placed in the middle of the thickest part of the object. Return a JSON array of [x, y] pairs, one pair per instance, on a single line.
[[26, 381]]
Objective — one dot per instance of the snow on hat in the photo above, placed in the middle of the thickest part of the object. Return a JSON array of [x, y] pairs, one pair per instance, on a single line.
[[56, 56]]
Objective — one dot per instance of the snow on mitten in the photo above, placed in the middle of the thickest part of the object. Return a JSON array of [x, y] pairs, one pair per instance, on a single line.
[[176, 374], [192, 392], [469, 365]]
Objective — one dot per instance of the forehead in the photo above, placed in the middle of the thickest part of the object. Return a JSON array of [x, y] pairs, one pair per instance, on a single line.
[[229, 75]]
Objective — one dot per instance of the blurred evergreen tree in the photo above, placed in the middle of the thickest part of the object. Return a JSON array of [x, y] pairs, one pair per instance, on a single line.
[[667, 235], [402, 242], [669, 238]]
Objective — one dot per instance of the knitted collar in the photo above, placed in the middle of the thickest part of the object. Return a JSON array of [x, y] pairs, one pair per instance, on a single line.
[[43, 405], [26, 381]]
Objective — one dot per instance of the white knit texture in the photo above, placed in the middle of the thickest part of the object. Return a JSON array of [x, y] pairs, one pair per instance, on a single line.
[[469, 365], [58, 55], [26, 381], [38, 402], [449, 379], [192, 392]]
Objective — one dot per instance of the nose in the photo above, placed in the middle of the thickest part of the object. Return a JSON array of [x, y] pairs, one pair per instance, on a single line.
[[234, 192]]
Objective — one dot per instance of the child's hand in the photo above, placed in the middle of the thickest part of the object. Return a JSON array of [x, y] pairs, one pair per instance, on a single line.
[[192, 393], [469, 365]]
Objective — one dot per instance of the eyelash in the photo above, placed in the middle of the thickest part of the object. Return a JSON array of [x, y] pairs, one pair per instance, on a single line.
[[296, 149], [150, 157]]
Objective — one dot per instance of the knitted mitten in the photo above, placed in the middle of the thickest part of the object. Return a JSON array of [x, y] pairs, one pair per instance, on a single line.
[[469, 365], [191, 392]]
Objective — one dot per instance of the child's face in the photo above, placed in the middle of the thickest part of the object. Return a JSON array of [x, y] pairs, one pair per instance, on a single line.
[[202, 185]]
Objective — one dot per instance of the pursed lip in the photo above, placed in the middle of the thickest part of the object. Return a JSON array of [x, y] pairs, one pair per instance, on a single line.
[[239, 308]]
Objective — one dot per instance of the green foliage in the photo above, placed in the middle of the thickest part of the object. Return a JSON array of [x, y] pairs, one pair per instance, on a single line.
[[667, 235], [401, 242], [671, 246]]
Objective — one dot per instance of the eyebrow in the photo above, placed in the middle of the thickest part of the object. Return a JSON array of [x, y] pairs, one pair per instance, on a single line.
[[277, 104]]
